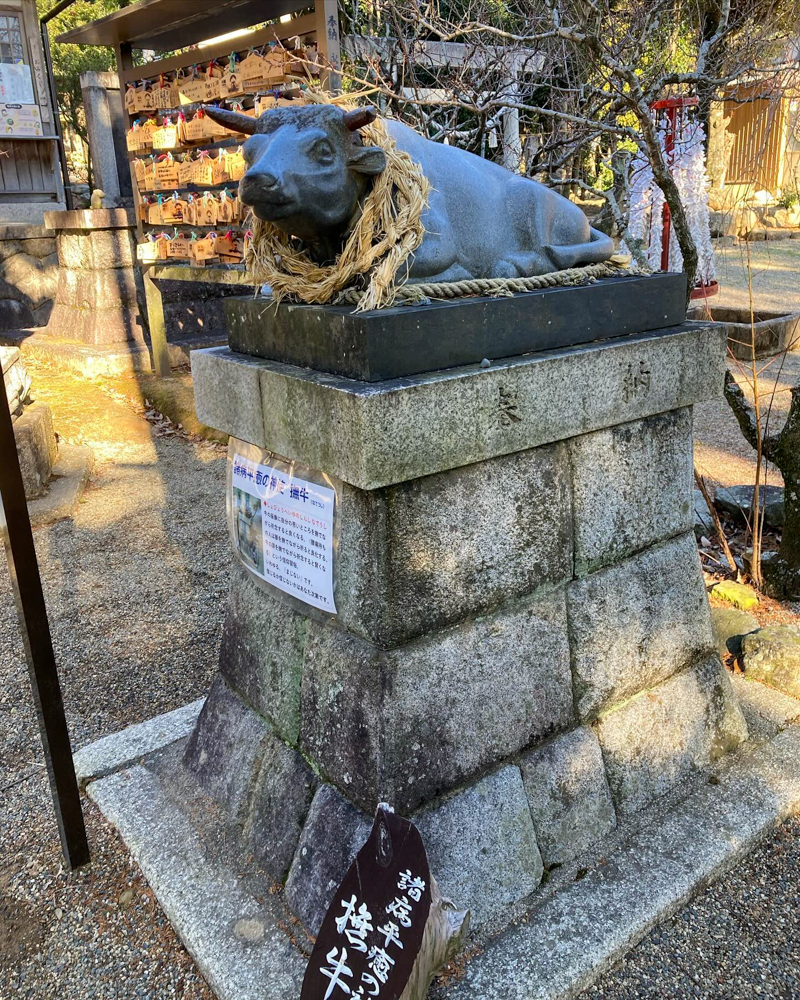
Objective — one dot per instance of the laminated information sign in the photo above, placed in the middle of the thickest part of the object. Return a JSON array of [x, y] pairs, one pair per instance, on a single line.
[[283, 529], [20, 120]]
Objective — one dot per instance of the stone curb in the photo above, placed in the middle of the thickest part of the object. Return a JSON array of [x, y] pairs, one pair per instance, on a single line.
[[70, 474], [119, 750], [561, 948], [203, 900], [580, 932]]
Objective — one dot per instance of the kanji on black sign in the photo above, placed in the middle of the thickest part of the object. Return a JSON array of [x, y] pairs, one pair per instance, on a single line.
[[372, 933]]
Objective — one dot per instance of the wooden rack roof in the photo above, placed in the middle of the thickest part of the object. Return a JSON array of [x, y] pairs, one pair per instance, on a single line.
[[164, 25]]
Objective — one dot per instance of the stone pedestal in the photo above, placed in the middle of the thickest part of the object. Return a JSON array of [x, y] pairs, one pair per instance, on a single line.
[[97, 296], [96, 324], [522, 651]]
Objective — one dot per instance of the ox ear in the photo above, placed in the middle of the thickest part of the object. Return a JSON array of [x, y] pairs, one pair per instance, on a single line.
[[359, 117], [368, 160], [232, 119]]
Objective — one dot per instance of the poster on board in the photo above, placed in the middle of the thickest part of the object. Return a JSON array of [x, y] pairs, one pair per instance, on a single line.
[[18, 120], [16, 84]]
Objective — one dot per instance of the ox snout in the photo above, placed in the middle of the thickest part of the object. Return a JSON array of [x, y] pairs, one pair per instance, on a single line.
[[263, 190]]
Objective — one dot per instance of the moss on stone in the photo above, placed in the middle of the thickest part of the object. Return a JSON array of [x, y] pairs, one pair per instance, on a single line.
[[737, 594]]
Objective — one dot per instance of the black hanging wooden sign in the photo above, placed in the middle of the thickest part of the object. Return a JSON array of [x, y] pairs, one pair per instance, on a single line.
[[373, 930]]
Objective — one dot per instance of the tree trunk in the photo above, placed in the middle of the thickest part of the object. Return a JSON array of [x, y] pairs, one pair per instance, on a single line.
[[665, 180], [444, 938], [782, 574], [786, 455]]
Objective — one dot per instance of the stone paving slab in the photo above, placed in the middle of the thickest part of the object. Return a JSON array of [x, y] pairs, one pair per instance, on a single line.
[[236, 942], [119, 750], [70, 474]]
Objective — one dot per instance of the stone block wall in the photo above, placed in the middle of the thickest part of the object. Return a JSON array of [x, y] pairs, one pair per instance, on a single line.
[[28, 276], [522, 654]]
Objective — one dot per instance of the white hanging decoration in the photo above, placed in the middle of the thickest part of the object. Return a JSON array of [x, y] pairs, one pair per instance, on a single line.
[[647, 202]]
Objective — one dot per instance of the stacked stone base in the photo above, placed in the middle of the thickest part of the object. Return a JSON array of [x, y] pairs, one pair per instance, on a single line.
[[37, 449], [522, 656]]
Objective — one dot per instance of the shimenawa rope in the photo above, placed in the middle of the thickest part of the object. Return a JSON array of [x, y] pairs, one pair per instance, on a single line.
[[387, 230]]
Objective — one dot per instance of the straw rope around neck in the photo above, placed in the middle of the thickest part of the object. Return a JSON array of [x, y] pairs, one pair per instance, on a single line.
[[387, 230]]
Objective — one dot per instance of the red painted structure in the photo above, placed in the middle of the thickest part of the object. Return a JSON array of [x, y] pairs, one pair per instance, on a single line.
[[674, 109]]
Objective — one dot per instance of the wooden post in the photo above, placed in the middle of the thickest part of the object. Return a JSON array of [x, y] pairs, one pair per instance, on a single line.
[[328, 43], [26, 583], [445, 936], [157, 324]]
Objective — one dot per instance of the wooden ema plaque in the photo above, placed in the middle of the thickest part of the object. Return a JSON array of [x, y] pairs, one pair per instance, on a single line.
[[373, 930]]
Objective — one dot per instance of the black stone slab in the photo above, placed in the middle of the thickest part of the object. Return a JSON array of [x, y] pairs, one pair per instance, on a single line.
[[408, 340]]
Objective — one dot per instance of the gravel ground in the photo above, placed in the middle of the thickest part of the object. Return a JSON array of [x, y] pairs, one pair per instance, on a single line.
[[738, 939], [135, 586]]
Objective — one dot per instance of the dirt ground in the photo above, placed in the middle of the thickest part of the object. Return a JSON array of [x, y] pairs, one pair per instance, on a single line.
[[135, 585]]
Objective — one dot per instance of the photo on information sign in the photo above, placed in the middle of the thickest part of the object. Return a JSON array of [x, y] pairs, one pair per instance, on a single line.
[[247, 520]]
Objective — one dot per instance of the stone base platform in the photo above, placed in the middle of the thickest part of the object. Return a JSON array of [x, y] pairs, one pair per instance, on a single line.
[[521, 655], [245, 941], [89, 360], [92, 360]]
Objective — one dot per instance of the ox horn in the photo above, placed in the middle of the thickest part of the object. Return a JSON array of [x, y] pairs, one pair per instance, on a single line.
[[232, 119], [359, 117]]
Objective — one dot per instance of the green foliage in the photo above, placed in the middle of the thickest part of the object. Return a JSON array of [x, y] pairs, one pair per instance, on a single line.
[[789, 200], [603, 179], [69, 61]]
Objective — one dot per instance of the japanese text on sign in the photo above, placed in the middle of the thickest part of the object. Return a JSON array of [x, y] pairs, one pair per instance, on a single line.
[[355, 924], [283, 529], [372, 934]]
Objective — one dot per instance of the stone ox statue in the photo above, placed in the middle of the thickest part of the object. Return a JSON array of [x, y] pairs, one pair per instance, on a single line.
[[308, 168]]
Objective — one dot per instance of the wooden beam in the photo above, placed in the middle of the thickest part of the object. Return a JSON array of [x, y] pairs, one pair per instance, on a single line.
[[281, 32], [329, 43]]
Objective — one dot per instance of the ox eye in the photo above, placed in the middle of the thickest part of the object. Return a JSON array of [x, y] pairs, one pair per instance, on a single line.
[[322, 151]]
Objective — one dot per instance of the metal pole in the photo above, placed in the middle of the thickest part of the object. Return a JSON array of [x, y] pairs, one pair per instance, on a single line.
[[62, 155], [26, 583]]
